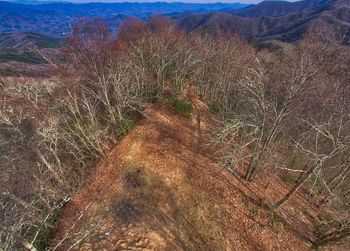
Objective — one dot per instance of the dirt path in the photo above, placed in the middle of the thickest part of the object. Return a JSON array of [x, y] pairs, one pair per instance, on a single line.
[[159, 189]]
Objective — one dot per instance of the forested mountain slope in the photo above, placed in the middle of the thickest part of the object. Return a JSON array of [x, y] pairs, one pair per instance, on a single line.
[[283, 21]]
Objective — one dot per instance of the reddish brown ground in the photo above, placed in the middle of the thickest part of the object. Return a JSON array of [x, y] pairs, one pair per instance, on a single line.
[[160, 189]]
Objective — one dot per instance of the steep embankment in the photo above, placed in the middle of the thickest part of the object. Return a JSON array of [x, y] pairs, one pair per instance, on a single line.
[[160, 189]]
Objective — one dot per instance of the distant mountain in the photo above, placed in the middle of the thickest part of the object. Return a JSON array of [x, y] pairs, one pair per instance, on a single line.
[[275, 20], [278, 8], [27, 28], [26, 46], [57, 18], [212, 22], [24, 40], [43, 26]]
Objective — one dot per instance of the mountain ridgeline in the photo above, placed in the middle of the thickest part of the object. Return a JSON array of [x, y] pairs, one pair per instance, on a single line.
[[275, 20], [279, 8], [25, 26], [57, 18]]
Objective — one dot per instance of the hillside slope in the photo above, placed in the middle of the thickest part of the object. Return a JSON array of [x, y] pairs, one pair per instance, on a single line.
[[275, 20], [160, 189], [279, 8], [25, 40], [27, 47], [58, 18]]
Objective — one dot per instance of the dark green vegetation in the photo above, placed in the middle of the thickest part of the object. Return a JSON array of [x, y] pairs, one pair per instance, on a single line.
[[25, 57], [125, 126], [24, 39], [25, 46], [215, 107], [183, 108], [47, 232], [43, 41]]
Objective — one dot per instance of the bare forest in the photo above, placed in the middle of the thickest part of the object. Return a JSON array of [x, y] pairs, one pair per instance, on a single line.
[[284, 112]]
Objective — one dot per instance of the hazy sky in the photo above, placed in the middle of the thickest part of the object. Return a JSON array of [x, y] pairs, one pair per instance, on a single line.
[[187, 1]]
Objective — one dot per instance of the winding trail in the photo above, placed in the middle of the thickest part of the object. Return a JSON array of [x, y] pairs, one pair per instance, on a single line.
[[160, 189]]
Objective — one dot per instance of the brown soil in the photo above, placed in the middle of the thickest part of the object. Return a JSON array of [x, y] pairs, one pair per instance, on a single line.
[[160, 189]]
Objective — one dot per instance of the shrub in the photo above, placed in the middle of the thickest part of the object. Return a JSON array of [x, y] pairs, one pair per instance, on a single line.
[[215, 107], [125, 126], [182, 108]]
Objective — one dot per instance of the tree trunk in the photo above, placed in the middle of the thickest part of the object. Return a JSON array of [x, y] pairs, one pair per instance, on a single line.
[[301, 180], [332, 237], [253, 166]]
